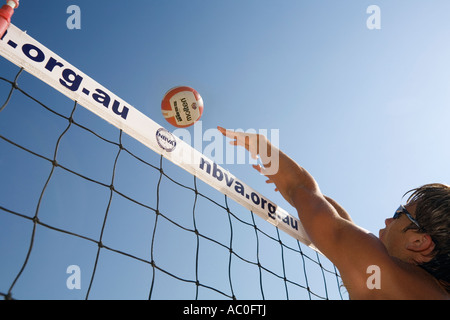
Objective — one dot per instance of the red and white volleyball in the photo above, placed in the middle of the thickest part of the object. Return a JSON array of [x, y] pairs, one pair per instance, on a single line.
[[182, 106]]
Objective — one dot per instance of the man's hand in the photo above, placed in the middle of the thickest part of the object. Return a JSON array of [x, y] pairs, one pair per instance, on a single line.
[[259, 147], [276, 166]]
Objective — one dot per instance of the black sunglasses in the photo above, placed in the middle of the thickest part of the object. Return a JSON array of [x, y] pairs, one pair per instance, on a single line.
[[401, 210]]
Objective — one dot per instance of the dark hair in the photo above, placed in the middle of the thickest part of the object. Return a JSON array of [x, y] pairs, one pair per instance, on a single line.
[[433, 216]]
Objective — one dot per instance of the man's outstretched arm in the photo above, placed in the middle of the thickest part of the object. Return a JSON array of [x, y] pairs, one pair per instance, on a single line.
[[352, 249], [327, 224], [340, 210], [288, 176]]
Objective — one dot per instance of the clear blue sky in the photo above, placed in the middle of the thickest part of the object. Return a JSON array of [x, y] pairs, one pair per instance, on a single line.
[[365, 111]]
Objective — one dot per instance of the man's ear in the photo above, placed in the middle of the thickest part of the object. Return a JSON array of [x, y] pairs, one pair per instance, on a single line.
[[422, 245]]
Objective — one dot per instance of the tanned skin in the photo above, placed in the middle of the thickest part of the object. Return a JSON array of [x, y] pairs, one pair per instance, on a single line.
[[352, 249]]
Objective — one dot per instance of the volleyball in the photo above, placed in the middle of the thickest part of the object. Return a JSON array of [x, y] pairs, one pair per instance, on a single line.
[[182, 106]]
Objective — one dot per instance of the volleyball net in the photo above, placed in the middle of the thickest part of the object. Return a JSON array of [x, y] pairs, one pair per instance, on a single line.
[[91, 185]]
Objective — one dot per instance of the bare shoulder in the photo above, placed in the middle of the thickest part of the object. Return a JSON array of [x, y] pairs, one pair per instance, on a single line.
[[369, 272], [397, 280]]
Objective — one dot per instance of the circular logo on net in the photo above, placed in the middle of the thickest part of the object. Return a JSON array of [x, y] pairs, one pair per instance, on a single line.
[[166, 140]]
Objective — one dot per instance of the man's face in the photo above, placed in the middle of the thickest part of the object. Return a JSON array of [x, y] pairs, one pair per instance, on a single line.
[[393, 236]]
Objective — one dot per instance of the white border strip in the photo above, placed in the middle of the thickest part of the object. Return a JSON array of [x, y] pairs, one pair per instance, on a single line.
[[36, 59]]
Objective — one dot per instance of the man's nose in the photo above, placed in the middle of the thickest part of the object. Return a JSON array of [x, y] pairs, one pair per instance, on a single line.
[[388, 221]]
